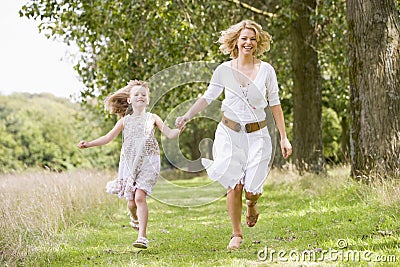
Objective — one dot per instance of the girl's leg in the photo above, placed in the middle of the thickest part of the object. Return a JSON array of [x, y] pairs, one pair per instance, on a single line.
[[234, 205], [133, 212], [132, 209], [252, 209], [142, 211]]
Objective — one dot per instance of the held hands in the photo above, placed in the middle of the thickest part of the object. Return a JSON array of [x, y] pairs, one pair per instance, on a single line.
[[83, 144], [286, 148], [181, 121]]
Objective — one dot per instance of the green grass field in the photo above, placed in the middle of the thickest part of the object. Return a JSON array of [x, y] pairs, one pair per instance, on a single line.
[[325, 220]]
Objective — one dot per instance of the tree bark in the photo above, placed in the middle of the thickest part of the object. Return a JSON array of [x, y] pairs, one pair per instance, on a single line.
[[345, 139], [374, 73], [307, 90]]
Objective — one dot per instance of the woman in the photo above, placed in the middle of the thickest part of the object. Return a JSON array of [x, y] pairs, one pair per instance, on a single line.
[[242, 146]]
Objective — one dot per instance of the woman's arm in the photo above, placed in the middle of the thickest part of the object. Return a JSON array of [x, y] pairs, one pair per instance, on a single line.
[[280, 124], [197, 107], [168, 132], [105, 139], [214, 89]]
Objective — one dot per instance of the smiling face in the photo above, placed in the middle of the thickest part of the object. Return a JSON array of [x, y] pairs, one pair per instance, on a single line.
[[139, 96], [247, 42]]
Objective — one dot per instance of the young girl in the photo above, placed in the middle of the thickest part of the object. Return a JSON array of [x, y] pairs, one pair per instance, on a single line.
[[139, 164]]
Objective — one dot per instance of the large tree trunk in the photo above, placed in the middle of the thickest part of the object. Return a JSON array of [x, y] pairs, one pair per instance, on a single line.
[[375, 87], [345, 139], [307, 87]]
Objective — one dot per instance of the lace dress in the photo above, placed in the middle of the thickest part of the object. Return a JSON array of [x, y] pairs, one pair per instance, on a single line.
[[139, 164]]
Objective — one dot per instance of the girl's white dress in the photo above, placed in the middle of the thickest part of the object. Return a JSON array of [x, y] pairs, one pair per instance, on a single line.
[[139, 164]]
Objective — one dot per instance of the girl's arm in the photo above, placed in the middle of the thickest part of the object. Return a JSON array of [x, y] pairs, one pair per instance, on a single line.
[[280, 124], [105, 139], [168, 132]]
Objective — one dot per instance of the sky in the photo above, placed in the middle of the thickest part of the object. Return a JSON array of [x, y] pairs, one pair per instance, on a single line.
[[29, 62]]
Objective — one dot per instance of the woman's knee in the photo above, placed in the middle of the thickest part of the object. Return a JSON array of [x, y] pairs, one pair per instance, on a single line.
[[238, 188], [252, 197], [237, 191]]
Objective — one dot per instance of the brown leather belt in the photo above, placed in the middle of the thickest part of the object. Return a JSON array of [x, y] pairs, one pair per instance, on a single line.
[[249, 127]]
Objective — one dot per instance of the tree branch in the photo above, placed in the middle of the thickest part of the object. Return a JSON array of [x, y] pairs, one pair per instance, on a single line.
[[251, 8]]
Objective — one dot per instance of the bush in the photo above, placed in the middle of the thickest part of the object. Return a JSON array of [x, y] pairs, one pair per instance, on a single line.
[[42, 131], [331, 132]]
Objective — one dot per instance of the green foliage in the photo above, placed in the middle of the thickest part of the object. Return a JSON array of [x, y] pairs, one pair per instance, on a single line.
[[123, 40], [331, 135], [42, 131], [333, 56]]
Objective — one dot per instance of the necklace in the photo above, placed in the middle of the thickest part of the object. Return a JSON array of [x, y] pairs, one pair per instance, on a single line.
[[244, 88]]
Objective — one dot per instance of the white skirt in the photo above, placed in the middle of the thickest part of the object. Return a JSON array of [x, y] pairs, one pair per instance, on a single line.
[[240, 158]]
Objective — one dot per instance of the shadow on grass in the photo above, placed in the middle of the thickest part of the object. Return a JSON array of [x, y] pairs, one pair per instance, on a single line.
[[193, 192]]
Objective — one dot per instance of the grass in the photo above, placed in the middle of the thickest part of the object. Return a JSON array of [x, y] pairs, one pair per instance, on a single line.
[[305, 220]]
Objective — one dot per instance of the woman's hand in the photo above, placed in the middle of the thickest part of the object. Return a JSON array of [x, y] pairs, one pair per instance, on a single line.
[[181, 121], [197, 107], [286, 148]]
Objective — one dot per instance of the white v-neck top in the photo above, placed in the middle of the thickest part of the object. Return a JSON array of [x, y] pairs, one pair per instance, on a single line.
[[245, 100]]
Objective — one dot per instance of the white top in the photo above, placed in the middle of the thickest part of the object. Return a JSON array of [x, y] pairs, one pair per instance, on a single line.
[[244, 103]]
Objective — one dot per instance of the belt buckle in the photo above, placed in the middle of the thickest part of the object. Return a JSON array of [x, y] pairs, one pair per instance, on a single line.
[[237, 127], [248, 128]]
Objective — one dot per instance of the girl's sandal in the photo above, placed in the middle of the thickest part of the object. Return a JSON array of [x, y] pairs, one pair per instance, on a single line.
[[141, 242], [251, 220], [134, 223], [233, 244]]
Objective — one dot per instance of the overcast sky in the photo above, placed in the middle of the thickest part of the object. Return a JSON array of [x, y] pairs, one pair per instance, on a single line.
[[29, 62]]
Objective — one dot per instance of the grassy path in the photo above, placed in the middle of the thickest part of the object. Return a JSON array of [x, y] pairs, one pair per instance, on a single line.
[[304, 220]]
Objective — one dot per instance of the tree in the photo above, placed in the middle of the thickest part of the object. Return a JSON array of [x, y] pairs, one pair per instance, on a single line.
[[307, 90], [124, 39], [374, 58], [41, 130], [333, 58]]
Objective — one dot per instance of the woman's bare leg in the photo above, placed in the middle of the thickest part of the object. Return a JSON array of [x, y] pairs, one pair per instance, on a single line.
[[234, 205]]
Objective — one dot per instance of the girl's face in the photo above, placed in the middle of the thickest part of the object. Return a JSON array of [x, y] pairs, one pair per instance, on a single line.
[[139, 96], [247, 42]]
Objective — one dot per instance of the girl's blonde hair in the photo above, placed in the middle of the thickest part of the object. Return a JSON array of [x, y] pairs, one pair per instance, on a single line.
[[117, 103], [229, 37]]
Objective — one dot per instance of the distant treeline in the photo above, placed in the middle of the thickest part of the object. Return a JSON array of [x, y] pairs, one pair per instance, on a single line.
[[41, 130]]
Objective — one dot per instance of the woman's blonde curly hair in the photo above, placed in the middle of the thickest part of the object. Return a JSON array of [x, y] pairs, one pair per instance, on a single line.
[[229, 37], [117, 103]]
